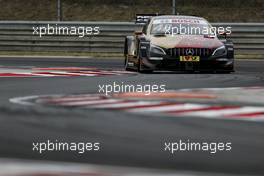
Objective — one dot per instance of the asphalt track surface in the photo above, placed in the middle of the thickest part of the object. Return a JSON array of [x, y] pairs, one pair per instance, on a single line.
[[127, 139]]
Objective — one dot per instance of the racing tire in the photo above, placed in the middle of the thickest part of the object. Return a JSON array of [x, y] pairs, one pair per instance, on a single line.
[[126, 64], [140, 69], [139, 66], [126, 57]]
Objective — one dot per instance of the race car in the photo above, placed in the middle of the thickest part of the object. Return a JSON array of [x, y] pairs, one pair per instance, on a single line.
[[162, 44]]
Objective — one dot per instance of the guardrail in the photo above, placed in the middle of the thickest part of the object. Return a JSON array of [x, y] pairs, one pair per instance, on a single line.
[[18, 36]]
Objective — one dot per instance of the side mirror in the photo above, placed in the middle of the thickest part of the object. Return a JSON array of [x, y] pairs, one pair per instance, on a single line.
[[138, 32]]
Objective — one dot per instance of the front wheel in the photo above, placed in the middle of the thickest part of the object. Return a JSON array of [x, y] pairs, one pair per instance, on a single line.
[[140, 67]]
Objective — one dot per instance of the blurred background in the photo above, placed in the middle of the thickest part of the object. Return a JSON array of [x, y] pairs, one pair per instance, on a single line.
[[125, 10]]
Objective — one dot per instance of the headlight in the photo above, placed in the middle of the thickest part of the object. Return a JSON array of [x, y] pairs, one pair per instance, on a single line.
[[220, 51], [157, 50]]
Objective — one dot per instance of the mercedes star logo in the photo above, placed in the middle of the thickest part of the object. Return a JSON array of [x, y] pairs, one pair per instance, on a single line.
[[189, 52]]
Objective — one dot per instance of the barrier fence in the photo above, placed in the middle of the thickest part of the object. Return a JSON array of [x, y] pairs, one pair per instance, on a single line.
[[18, 36]]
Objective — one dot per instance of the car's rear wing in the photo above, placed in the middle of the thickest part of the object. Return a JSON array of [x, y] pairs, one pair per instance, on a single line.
[[144, 18]]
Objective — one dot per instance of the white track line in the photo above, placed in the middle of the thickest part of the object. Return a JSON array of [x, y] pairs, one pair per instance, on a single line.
[[126, 104], [45, 75], [56, 73], [83, 103], [23, 100], [67, 99], [224, 112], [161, 108]]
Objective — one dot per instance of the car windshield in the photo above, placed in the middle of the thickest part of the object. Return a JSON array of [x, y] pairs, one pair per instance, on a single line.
[[180, 27]]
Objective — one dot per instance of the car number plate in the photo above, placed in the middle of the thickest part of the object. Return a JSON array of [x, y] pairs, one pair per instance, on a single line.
[[189, 58]]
